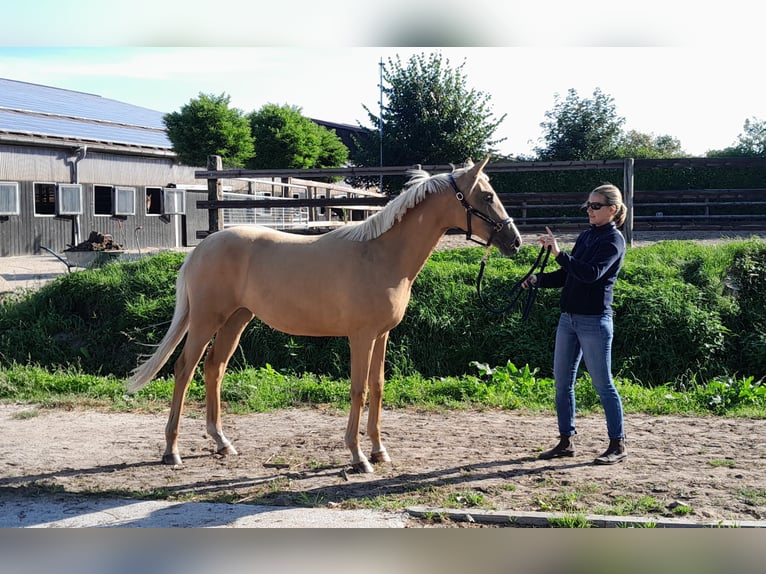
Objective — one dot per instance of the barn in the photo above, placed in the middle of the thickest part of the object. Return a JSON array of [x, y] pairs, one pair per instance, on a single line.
[[73, 164]]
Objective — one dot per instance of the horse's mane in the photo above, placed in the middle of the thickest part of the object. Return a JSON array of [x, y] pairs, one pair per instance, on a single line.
[[420, 184]]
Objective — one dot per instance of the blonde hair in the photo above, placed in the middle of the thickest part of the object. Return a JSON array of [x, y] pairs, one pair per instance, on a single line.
[[613, 196]]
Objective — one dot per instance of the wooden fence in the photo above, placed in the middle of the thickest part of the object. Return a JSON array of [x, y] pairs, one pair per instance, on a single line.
[[664, 210]]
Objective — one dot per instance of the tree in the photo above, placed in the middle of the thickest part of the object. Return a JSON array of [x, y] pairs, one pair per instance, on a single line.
[[431, 117], [581, 129], [640, 145], [285, 139], [207, 126], [333, 152], [750, 143]]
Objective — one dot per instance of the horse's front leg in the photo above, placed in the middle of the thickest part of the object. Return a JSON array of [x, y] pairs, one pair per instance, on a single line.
[[226, 341], [361, 353], [376, 383]]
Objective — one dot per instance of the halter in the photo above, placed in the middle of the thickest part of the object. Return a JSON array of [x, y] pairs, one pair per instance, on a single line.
[[497, 226]]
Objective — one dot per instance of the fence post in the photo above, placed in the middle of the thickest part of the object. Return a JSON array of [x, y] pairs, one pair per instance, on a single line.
[[627, 188], [214, 193]]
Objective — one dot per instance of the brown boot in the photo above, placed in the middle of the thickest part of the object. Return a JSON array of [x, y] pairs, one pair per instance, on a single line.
[[564, 448], [614, 454]]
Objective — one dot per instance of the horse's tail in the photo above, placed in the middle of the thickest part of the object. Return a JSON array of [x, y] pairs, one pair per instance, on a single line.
[[179, 325]]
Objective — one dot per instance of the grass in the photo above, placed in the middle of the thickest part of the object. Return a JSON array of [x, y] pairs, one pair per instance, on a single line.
[[570, 521], [754, 497], [264, 389], [725, 462], [632, 506]]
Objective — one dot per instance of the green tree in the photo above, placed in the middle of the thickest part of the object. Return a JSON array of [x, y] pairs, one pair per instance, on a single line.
[[285, 139], [431, 117], [750, 143], [208, 126], [333, 152], [640, 145], [581, 128]]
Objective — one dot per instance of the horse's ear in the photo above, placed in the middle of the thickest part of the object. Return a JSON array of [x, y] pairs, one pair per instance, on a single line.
[[476, 170]]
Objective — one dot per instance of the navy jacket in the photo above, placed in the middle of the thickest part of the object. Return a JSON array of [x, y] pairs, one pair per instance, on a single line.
[[588, 274]]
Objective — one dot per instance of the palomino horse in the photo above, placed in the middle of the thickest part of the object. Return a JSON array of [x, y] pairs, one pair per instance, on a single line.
[[360, 279]]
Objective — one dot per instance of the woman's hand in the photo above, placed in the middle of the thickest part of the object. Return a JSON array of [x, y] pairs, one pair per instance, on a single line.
[[529, 281], [549, 241]]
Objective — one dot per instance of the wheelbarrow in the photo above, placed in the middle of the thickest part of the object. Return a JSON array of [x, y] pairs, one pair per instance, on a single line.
[[84, 259]]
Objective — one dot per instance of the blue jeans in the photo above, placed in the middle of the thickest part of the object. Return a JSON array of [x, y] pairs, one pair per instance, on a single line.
[[587, 337]]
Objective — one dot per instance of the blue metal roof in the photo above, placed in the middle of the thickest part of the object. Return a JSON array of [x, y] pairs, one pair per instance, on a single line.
[[54, 112]]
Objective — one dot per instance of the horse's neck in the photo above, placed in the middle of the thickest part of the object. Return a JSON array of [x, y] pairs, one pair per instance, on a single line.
[[417, 234]]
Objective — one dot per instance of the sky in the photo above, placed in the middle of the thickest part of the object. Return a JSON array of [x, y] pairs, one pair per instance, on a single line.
[[669, 71]]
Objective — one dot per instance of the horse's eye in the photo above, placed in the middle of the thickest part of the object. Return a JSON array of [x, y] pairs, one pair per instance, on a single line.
[[489, 198]]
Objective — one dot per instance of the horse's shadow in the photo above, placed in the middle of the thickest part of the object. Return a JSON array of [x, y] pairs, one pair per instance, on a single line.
[[348, 489], [356, 486], [403, 484]]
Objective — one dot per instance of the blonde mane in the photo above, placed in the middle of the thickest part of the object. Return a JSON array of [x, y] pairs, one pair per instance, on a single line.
[[420, 184]]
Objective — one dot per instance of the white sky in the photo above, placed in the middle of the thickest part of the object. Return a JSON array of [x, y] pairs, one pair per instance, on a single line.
[[690, 74]]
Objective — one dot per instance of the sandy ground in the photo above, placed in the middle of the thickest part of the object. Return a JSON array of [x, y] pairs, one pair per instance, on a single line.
[[711, 468]]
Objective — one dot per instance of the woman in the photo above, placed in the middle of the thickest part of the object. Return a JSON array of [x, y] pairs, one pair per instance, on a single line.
[[585, 327]]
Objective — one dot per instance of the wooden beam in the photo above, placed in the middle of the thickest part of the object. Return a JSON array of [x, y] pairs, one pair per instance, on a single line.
[[287, 202]]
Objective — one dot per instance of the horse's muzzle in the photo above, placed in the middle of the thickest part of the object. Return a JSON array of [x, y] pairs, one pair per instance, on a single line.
[[507, 240]]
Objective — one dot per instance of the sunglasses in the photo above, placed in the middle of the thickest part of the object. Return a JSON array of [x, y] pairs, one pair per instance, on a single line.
[[595, 206]]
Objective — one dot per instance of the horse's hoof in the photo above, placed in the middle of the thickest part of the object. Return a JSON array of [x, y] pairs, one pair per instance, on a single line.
[[363, 467], [227, 450], [380, 456], [171, 459]]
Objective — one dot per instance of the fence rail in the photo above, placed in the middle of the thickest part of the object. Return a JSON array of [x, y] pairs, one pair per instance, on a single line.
[[668, 210], [714, 208]]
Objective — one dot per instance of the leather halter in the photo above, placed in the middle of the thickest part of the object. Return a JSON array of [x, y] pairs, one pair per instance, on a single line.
[[497, 226]]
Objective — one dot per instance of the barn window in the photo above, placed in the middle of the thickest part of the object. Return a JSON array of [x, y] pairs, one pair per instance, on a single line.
[[153, 201], [68, 199], [124, 201], [45, 198], [102, 200], [9, 198], [174, 201]]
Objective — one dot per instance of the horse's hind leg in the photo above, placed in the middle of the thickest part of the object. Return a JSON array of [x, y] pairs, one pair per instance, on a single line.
[[226, 341], [361, 353], [183, 371], [376, 382]]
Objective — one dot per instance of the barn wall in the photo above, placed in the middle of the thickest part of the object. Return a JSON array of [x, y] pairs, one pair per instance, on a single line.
[[26, 233], [33, 163]]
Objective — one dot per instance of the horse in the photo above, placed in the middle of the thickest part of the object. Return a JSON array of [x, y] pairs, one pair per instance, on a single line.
[[360, 278]]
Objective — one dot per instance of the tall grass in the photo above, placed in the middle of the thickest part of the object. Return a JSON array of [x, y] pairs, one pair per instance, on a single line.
[[264, 389]]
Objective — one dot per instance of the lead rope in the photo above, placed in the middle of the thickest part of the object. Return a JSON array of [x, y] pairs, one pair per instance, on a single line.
[[516, 289]]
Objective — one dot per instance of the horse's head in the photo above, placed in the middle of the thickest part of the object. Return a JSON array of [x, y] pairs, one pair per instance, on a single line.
[[485, 214]]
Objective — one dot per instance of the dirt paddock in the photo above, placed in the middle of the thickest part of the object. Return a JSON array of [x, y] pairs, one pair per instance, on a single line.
[[703, 468]]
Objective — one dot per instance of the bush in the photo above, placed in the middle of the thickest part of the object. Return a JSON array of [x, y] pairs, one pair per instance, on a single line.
[[682, 311], [745, 281]]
